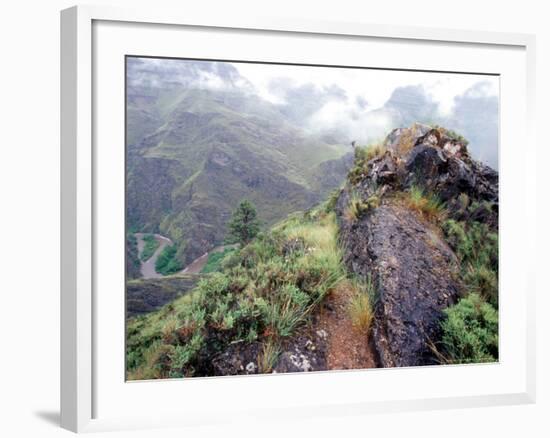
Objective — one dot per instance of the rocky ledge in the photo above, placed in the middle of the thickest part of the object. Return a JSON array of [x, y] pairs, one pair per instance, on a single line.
[[403, 251]]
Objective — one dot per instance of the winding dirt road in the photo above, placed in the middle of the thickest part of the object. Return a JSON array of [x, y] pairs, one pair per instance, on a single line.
[[148, 267]]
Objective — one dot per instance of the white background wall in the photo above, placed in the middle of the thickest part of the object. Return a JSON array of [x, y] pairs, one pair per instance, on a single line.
[[29, 215]]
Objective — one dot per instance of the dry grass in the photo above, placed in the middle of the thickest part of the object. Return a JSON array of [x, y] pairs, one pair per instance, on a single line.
[[406, 142], [374, 151], [357, 207], [361, 303], [354, 208], [428, 205], [267, 358]]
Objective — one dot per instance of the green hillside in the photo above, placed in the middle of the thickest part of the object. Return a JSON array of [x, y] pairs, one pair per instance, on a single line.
[[399, 267], [194, 154]]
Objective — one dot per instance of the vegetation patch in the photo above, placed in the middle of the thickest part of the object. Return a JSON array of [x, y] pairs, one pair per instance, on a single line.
[[361, 306], [244, 224], [215, 259], [357, 207], [453, 135], [133, 264], [268, 356], [270, 288], [167, 262], [427, 204], [151, 244], [477, 249], [470, 331], [361, 159]]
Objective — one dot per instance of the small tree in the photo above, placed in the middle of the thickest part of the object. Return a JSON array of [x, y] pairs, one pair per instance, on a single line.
[[244, 224]]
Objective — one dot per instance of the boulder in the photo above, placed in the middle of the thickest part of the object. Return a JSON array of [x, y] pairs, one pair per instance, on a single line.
[[238, 358], [303, 354]]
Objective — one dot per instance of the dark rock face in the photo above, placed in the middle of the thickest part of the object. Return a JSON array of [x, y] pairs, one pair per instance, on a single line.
[[149, 188], [304, 353], [240, 358], [414, 269]]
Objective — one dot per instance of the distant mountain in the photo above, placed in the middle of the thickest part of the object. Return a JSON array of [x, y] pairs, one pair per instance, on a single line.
[[194, 152]]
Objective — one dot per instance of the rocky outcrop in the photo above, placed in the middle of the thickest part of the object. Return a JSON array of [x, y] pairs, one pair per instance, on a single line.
[[415, 272], [414, 269], [304, 353], [236, 359]]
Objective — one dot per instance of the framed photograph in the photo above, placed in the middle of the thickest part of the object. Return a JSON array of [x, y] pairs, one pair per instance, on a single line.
[[321, 218]]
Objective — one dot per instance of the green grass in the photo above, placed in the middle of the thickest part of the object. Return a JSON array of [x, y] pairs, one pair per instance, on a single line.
[[477, 249], [470, 329], [215, 259], [361, 159], [150, 246], [265, 292], [167, 263], [453, 135]]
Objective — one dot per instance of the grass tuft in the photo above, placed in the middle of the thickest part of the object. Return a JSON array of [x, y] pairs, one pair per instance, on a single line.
[[268, 356], [427, 204], [356, 207], [361, 304]]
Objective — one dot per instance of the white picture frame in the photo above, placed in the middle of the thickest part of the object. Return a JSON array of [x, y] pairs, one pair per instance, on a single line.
[[82, 171]]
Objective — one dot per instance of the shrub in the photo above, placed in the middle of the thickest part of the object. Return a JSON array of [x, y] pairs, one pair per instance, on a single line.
[[182, 355], [167, 263], [470, 331], [477, 249], [215, 260], [150, 246], [482, 280]]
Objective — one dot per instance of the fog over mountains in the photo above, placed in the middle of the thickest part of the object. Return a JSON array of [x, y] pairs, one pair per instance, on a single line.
[[201, 136], [347, 104]]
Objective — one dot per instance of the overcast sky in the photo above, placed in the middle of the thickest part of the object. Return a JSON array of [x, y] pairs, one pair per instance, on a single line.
[[363, 103], [375, 86]]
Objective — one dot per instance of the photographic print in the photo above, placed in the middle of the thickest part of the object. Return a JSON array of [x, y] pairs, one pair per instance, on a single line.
[[294, 218]]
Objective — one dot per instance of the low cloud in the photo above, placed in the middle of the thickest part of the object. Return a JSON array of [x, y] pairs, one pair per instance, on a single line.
[[351, 104]]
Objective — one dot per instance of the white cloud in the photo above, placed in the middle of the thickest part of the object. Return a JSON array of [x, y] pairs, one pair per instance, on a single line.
[[374, 86]]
